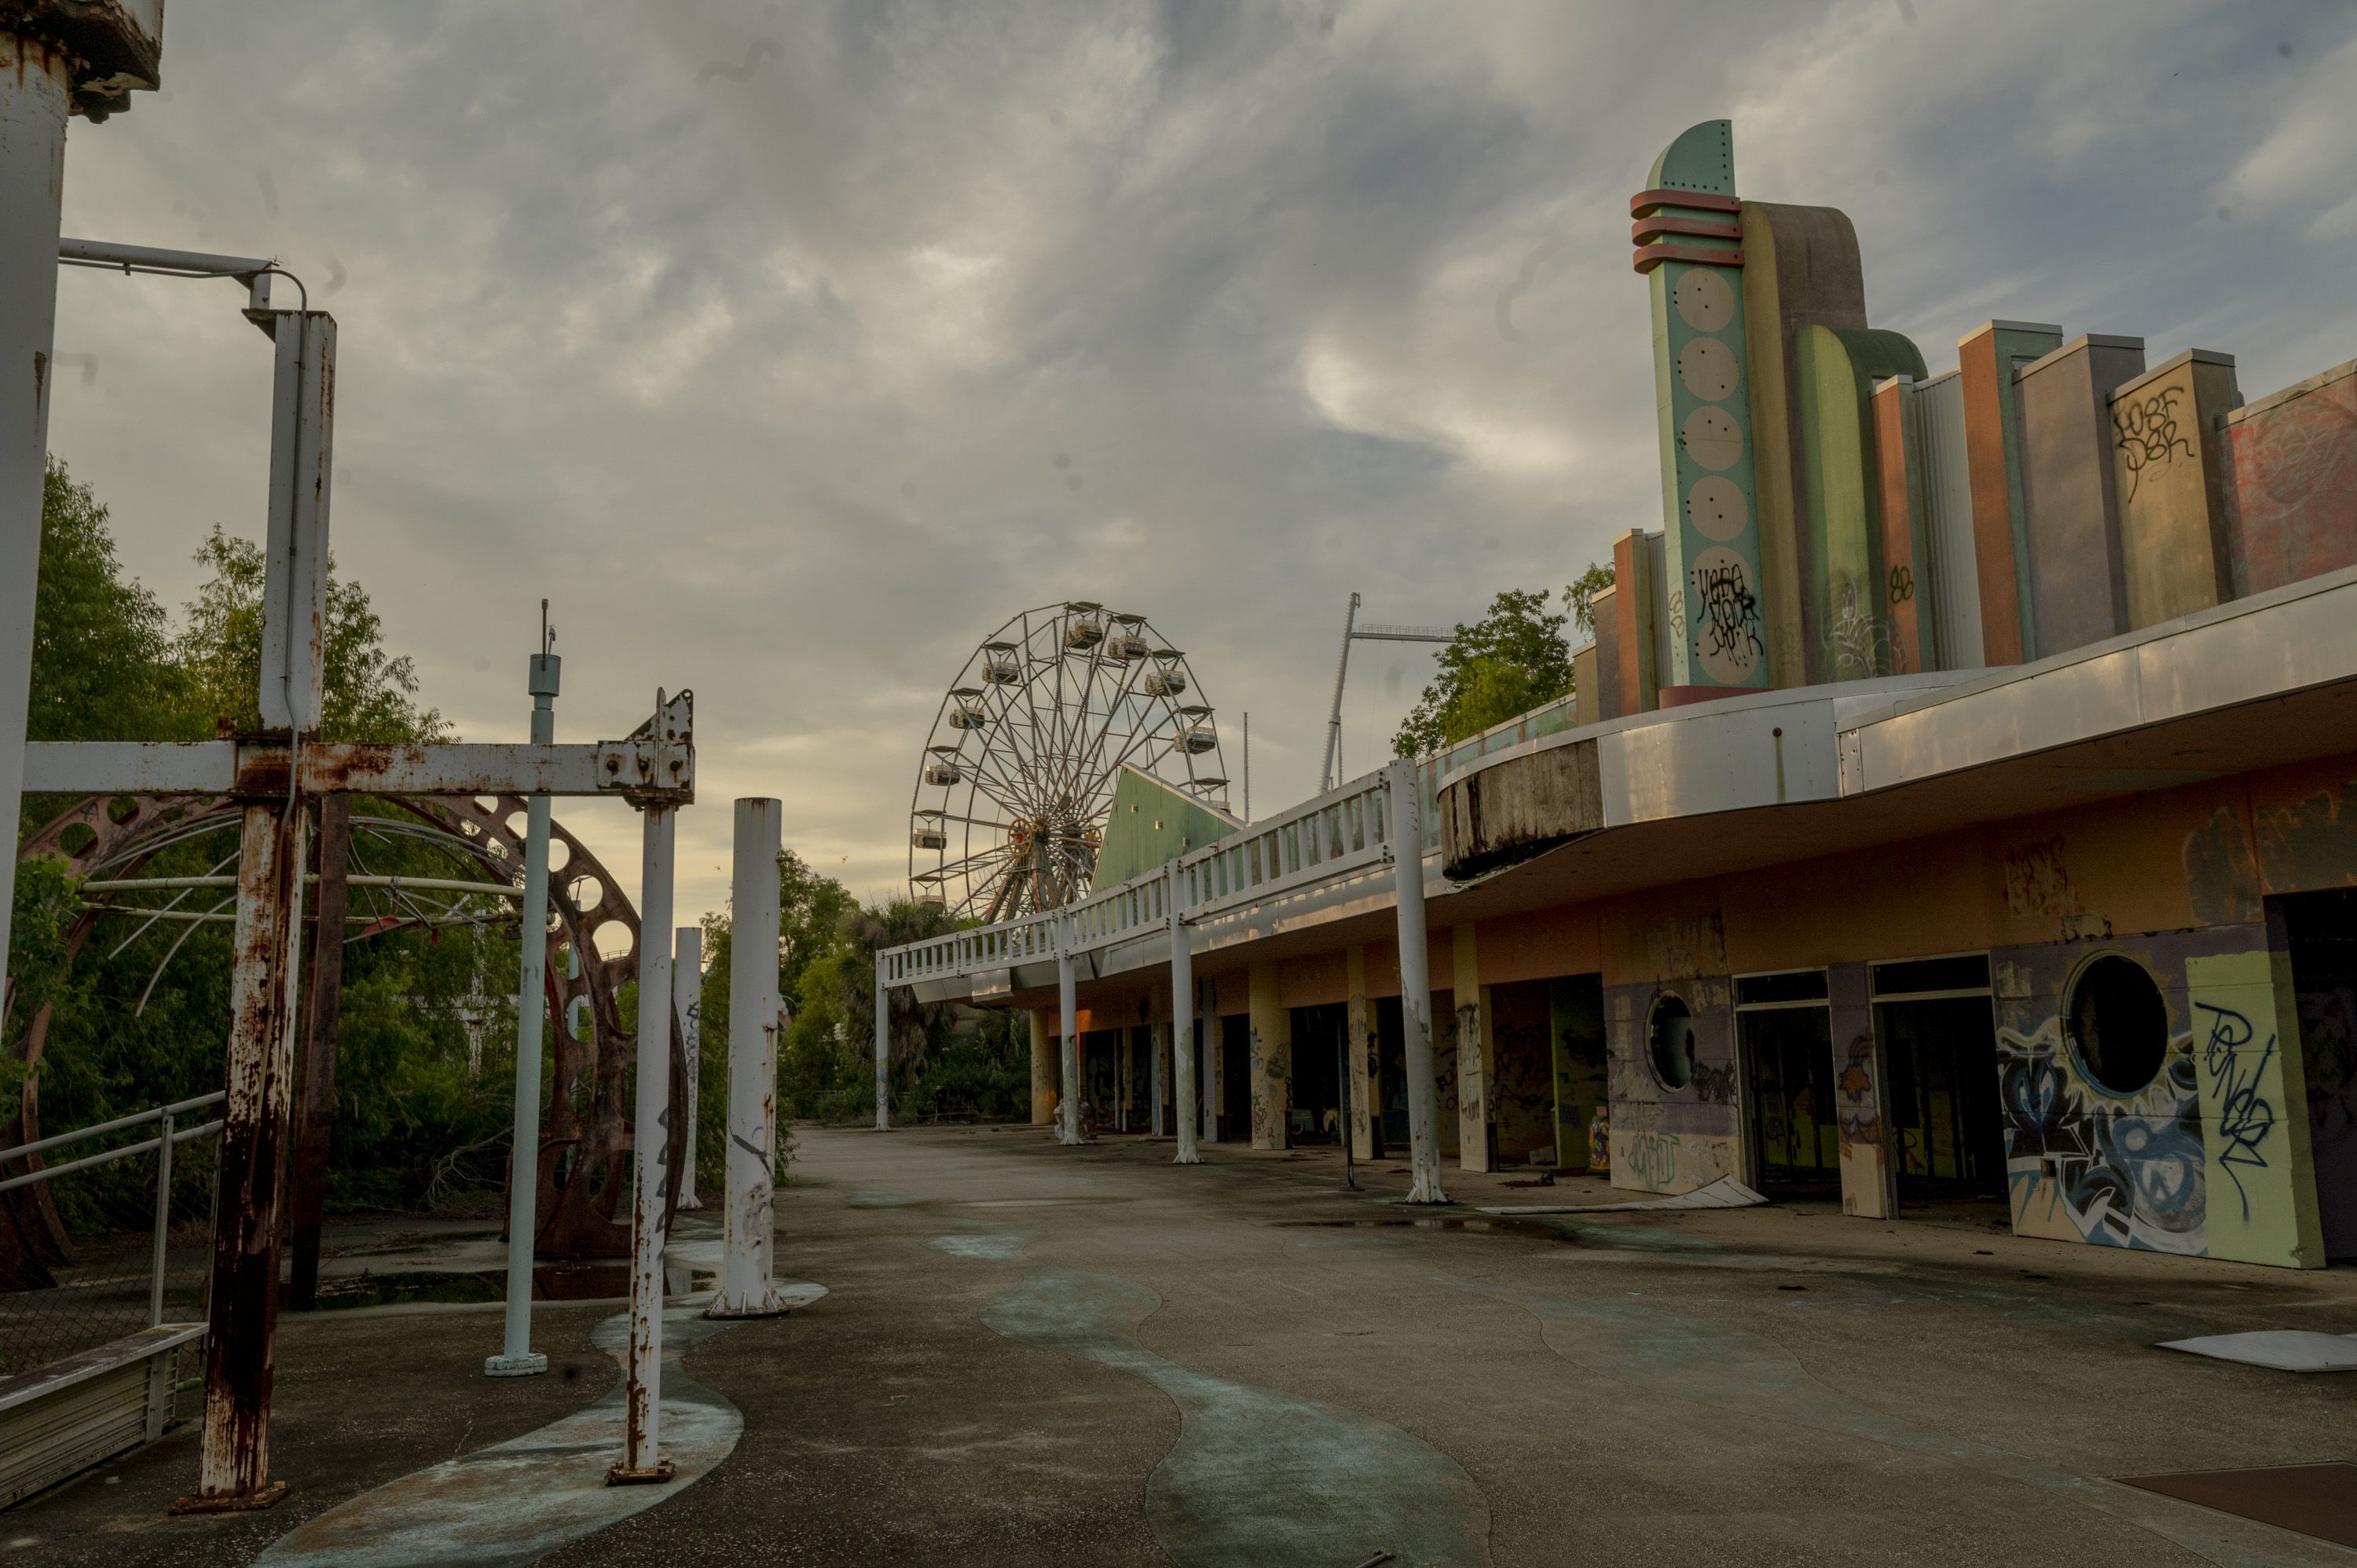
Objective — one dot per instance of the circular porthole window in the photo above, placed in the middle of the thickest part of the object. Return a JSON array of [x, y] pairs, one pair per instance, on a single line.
[[1669, 1040], [2117, 1023]]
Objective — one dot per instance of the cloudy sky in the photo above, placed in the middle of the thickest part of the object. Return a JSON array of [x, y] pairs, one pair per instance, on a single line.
[[791, 348]]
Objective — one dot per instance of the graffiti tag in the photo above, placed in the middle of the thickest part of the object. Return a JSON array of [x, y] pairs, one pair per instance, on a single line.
[[1729, 624], [1902, 584], [2245, 1118], [2147, 432]]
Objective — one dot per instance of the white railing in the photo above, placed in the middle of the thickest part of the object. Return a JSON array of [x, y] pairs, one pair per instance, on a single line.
[[1331, 835]]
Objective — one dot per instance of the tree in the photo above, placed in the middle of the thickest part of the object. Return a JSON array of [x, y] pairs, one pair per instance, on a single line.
[[370, 695], [1511, 661], [1581, 595]]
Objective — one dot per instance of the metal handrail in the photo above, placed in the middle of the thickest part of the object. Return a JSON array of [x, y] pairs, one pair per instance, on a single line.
[[39, 1144]]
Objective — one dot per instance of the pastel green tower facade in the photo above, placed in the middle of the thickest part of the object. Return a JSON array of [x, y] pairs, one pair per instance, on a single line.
[[1688, 242]]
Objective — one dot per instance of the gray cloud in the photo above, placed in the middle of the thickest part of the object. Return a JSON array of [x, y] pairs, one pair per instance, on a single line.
[[751, 334]]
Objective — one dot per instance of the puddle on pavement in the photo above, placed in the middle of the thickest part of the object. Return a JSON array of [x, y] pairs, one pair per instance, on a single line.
[[1620, 1235], [993, 1249]]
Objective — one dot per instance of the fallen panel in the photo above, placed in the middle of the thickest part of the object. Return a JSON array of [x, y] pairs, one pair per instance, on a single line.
[[1725, 1193], [2287, 1349], [2318, 1500]]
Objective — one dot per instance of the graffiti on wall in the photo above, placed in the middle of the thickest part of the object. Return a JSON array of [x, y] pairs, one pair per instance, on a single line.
[[1673, 1162], [2084, 1164], [2262, 1210], [2291, 505], [2147, 433]]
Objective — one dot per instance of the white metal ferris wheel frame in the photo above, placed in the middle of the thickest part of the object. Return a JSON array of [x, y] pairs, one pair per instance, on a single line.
[[1048, 749]]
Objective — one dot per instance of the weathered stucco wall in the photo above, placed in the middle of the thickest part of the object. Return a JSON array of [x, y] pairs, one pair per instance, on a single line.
[[2078, 587], [2168, 469], [2291, 507]]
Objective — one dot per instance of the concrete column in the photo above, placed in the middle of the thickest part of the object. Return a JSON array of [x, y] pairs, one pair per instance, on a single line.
[[1363, 1059], [1124, 1061], [36, 83], [1043, 1068], [1272, 1060], [1182, 1027], [1068, 1120], [1416, 983], [883, 1050], [1155, 1090], [650, 1147], [1869, 1178], [1477, 1057], [748, 1222], [1214, 1066]]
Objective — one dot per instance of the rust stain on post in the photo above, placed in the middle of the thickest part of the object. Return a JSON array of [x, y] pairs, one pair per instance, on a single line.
[[239, 1349]]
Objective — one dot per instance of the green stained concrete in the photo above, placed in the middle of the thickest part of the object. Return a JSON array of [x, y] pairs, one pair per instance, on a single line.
[[1838, 368], [516, 1501], [1005, 1249], [1150, 824], [1259, 1477]]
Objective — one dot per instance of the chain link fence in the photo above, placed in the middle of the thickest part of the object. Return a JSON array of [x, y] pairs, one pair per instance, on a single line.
[[111, 1234]]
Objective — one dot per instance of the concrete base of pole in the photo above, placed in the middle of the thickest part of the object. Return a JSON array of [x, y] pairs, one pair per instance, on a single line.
[[530, 1364], [269, 1496], [619, 1475]]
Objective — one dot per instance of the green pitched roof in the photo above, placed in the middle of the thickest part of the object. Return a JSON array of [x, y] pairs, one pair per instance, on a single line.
[[1152, 824]]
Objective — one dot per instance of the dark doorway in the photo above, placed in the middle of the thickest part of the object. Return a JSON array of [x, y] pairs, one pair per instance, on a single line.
[[1101, 1075], [1235, 1079], [2320, 931], [1947, 1131], [1318, 1035], [1788, 1077], [1392, 1035], [1576, 1030]]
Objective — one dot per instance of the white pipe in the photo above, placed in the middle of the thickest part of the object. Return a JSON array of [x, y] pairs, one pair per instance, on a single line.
[[1067, 1116], [1182, 1021], [642, 1406], [517, 1359], [749, 1222], [1334, 721], [36, 84], [687, 1006], [1416, 986]]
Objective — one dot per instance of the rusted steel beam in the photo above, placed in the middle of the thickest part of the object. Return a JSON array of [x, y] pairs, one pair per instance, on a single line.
[[234, 1471], [631, 768], [308, 1190]]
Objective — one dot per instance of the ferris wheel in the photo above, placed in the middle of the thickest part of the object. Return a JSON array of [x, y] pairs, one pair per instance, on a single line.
[[1017, 776]]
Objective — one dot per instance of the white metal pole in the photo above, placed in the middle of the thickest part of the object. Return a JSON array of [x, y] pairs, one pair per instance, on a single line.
[[1182, 1021], [1416, 986], [518, 1358], [1067, 1122], [163, 1218], [36, 86], [883, 1049], [642, 1399], [1334, 722], [687, 1006], [748, 1222]]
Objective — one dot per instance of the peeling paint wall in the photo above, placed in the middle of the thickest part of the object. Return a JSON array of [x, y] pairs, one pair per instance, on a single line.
[[2291, 505]]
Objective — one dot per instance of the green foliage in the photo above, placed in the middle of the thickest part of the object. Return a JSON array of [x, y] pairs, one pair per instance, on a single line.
[[1581, 594], [370, 695], [1512, 659], [139, 1019]]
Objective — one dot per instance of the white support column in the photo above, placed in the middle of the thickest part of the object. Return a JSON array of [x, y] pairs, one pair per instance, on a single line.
[[1416, 985], [517, 1359], [883, 1050], [687, 1006], [1182, 1023], [36, 86], [642, 1399], [748, 1222], [1155, 1088], [1068, 1114]]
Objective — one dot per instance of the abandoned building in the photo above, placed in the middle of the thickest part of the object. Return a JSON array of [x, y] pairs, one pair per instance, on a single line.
[[1957, 804]]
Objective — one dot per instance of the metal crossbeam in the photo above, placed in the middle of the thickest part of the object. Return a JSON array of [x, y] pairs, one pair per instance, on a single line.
[[634, 768]]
